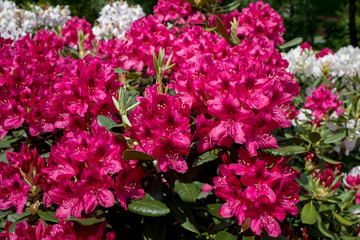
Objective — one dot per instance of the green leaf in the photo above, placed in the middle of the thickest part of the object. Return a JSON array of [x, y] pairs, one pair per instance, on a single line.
[[342, 220], [328, 160], [285, 151], [333, 138], [125, 120], [188, 192], [147, 206], [182, 213], [323, 229], [222, 31], [354, 208], [291, 43], [154, 228], [206, 157], [7, 141], [120, 70], [5, 213], [116, 103], [346, 196], [325, 207], [309, 214], [131, 154], [314, 137], [225, 235], [48, 216], [106, 122], [17, 218], [99, 217], [214, 209]]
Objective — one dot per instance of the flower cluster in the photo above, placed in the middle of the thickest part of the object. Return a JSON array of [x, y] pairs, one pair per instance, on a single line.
[[161, 125], [115, 19], [322, 101], [16, 22], [62, 230], [304, 60], [260, 21], [70, 32], [77, 176], [167, 10], [257, 194], [352, 181]]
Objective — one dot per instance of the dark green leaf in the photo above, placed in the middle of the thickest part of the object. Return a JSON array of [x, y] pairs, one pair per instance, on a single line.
[[131, 154], [323, 229], [206, 157], [306, 182], [147, 206], [292, 43], [314, 137], [285, 151], [333, 138], [309, 214], [89, 221], [182, 214], [17, 218], [214, 209], [225, 235], [188, 192], [106, 122], [48, 216], [154, 228]]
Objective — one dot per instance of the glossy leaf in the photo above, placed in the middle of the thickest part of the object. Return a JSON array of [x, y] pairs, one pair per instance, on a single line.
[[131, 154], [214, 209], [225, 235], [48, 216], [206, 157], [188, 192], [147, 206], [182, 213]]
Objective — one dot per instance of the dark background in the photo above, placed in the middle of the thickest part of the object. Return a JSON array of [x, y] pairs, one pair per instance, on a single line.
[[323, 23]]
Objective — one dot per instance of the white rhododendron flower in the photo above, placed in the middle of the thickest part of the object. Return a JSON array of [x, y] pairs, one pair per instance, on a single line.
[[16, 22], [115, 19], [347, 62]]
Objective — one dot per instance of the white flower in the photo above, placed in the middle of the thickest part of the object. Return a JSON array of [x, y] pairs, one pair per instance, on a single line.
[[115, 19], [303, 62], [347, 62], [16, 22]]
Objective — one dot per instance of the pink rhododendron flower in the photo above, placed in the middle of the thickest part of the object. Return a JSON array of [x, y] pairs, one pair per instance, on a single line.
[[322, 101], [71, 29], [260, 21], [167, 10], [251, 190], [161, 125]]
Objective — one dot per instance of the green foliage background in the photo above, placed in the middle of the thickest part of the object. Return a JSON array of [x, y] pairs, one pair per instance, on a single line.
[[321, 23]]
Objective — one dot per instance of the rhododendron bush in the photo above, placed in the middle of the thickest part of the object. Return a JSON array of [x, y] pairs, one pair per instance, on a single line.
[[192, 125]]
